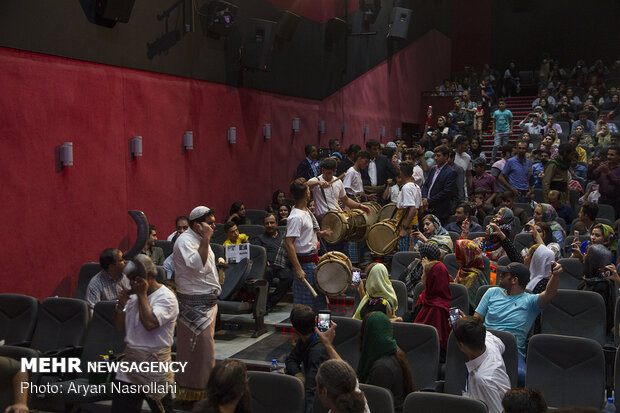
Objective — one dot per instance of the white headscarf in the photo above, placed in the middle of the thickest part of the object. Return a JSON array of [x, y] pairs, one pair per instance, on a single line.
[[540, 266]]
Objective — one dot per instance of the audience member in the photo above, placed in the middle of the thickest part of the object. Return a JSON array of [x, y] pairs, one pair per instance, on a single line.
[[556, 172], [546, 144], [148, 318], [10, 372], [546, 213], [434, 233], [110, 281], [587, 215], [539, 259], [233, 236], [544, 94], [607, 175], [582, 155], [508, 151], [469, 108], [484, 180], [587, 124], [337, 388], [600, 276], [487, 379], [434, 302], [502, 127], [156, 254], [334, 145], [471, 272], [408, 204], [497, 242], [460, 181], [524, 401], [511, 309], [309, 167], [538, 168], [601, 234], [563, 210], [352, 182], [440, 186], [462, 213], [382, 363], [198, 285], [378, 294], [516, 173], [272, 241], [349, 159], [531, 124], [463, 118], [283, 212], [277, 199], [480, 208], [228, 389], [308, 354], [462, 159], [236, 214], [379, 169], [181, 224], [476, 151]]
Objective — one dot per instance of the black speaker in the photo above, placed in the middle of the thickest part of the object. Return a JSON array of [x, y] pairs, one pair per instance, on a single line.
[[399, 23], [287, 24], [335, 30], [257, 44], [114, 10], [217, 18]]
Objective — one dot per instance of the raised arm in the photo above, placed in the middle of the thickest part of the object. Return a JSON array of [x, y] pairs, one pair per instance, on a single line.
[[552, 286]]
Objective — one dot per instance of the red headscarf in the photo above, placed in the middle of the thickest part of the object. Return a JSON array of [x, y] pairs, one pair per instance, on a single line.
[[435, 302]]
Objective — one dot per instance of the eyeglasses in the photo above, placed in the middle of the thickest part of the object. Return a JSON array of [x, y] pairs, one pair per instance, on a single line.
[[183, 227]]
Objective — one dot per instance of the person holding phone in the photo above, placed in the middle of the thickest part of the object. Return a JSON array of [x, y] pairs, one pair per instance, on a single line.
[[308, 354], [600, 275], [378, 295]]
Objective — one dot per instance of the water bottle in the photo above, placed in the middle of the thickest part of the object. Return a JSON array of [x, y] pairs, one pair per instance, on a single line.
[[610, 406], [275, 369]]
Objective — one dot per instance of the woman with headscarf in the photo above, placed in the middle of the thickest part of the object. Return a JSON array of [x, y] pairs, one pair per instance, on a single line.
[[599, 278], [382, 363], [469, 256], [497, 242], [556, 175], [539, 259], [600, 234], [434, 233], [434, 302], [546, 213], [378, 295]]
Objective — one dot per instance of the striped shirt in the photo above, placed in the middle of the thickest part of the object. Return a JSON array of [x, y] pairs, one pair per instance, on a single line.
[[103, 288]]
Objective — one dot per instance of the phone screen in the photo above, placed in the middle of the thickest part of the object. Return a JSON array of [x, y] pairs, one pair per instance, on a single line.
[[324, 320], [356, 277], [455, 314]]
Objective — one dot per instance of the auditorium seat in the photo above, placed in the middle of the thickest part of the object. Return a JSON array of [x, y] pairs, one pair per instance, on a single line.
[[87, 272], [576, 313], [166, 246], [568, 370], [347, 340], [522, 241], [460, 296], [420, 343], [61, 322], [18, 318], [441, 403], [276, 393], [251, 230], [255, 216], [569, 241], [219, 236], [474, 235], [572, 273], [456, 371], [400, 261], [481, 291], [378, 398]]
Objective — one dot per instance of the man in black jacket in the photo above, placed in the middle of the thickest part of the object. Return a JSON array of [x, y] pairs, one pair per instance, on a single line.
[[309, 352], [375, 176], [440, 186], [308, 168]]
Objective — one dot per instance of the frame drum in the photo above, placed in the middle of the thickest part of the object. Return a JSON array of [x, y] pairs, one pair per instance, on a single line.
[[383, 236], [333, 274], [338, 222], [387, 211]]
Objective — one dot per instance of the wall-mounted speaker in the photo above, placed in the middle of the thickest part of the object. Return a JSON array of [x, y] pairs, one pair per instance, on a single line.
[[335, 29], [257, 44], [287, 24], [114, 10], [399, 23]]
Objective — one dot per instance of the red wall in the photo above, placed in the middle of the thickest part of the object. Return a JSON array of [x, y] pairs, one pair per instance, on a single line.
[[471, 33], [55, 221]]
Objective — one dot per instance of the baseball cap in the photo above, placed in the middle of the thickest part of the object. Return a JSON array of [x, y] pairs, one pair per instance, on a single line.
[[198, 212], [516, 269]]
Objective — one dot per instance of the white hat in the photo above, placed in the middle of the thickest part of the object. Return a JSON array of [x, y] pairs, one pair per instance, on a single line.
[[198, 212]]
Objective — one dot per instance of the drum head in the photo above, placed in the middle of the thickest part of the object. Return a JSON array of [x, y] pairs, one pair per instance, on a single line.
[[336, 221], [387, 211], [332, 277]]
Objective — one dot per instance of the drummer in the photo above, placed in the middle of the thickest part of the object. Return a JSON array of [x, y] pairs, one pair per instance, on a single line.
[[353, 180], [408, 203], [301, 247], [326, 192]]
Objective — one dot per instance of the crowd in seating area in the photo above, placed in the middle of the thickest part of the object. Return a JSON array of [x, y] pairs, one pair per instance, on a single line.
[[503, 263]]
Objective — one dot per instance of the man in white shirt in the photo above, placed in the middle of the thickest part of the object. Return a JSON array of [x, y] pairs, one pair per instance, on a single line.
[[198, 287], [462, 159], [352, 181], [487, 379], [408, 203], [148, 317]]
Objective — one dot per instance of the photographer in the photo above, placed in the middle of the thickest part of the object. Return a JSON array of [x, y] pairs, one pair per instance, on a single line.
[[148, 317]]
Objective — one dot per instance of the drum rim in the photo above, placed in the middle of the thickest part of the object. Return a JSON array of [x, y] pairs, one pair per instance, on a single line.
[[340, 262]]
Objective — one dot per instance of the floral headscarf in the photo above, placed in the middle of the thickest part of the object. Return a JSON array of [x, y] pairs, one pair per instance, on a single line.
[[548, 213], [471, 275], [441, 237], [609, 236]]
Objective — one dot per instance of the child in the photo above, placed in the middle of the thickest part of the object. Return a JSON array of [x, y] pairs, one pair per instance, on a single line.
[[478, 119]]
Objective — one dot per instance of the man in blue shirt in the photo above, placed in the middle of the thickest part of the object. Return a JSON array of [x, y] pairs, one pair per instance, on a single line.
[[588, 125], [538, 169], [502, 126], [516, 173], [511, 309]]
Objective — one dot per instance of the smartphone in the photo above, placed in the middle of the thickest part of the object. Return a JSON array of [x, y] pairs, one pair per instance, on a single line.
[[356, 277], [324, 320], [455, 314]]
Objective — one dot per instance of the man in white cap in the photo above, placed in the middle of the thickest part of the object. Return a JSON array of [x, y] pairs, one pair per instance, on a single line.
[[198, 287]]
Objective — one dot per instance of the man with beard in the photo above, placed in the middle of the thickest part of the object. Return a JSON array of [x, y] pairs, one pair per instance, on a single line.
[[538, 169], [607, 175], [510, 308]]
